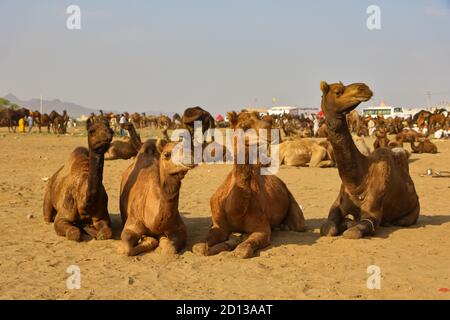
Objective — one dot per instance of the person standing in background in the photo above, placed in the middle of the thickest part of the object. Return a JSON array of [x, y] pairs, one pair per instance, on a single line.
[[122, 122], [113, 123], [30, 123], [22, 125]]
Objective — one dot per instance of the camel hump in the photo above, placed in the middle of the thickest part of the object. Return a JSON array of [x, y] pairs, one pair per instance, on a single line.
[[80, 151], [401, 157]]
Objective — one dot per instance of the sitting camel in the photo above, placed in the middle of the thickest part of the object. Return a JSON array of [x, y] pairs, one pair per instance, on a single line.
[[248, 202], [127, 148], [306, 153], [75, 196], [149, 195], [376, 189], [424, 146], [382, 140]]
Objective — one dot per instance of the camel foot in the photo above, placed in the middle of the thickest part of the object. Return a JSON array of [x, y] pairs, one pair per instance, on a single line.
[[200, 249], [353, 233], [147, 244], [329, 229], [104, 234], [244, 251], [73, 234], [167, 247]]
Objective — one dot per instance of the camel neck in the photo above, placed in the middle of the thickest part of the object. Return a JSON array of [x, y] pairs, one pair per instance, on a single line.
[[351, 163], [135, 139], [95, 179], [170, 188], [244, 174]]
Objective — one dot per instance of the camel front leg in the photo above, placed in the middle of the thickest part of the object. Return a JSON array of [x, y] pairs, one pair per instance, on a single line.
[[255, 241], [65, 228], [174, 240], [103, 228], [216, 242], [130, 237], [334, 224], [366, 226]]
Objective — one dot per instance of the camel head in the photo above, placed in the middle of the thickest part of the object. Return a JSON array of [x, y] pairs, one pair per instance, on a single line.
[[172, 160], [247, 121], [99, 136], [340, 99], [191, 115], [128, 126]]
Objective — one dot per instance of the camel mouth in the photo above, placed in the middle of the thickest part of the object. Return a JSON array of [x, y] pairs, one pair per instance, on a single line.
[[101, 147]]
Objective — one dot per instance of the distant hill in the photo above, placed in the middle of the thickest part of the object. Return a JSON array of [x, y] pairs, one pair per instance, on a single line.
[[73, 109]]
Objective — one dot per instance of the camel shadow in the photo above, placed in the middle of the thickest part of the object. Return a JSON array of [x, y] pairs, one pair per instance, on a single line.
[[385, 231], [424, 221], [198, 228]]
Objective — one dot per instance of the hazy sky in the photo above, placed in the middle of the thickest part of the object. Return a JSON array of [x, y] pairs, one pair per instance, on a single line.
[[222, 54]]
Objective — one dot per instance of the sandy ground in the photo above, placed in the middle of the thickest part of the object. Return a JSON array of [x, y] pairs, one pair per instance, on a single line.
[[414, 262]]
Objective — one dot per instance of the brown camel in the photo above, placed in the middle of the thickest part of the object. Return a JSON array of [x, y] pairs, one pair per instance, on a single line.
[[149, 195], [382, 140], [75, 196], [376, 189], [191, 115], [305, 153], [125, 148], [248, 202], [424, 146]]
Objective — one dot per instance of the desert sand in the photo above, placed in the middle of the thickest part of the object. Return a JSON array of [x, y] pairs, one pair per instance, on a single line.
[[414, 262]]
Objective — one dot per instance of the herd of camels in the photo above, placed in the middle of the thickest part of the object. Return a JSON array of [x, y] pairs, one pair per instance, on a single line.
[[376, 187]]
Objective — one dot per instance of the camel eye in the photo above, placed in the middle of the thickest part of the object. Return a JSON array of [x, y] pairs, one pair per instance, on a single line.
[[167, 155]]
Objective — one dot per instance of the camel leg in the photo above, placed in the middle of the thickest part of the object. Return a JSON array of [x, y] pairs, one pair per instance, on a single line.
[[49, 211], [333, 226], [103, 228], [215, 242], [65, 228], [409, 219], [365, 227], [256, 240], [295, 220], [130, 244], [174, 241], [317, 159]]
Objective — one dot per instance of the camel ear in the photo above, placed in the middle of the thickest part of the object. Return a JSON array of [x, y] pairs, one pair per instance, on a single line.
[[232, 118], [160, 144], [88, 124], [324, 87]]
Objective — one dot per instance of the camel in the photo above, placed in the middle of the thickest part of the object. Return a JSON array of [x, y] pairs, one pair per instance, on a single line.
[[125, 148], [381, 140], [424, 146], [248, 202], [149, 195], [191, 115], [376, 190], [75, 196], [306, 153], [323, 131]]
